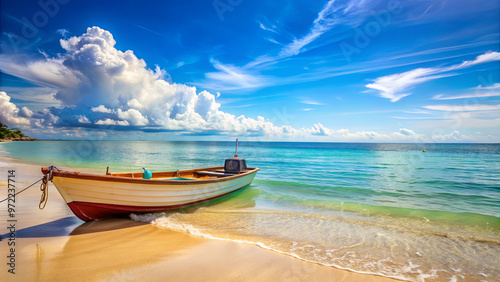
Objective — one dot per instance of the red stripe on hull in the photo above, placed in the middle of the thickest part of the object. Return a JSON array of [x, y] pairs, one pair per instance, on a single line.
[[95, 211]]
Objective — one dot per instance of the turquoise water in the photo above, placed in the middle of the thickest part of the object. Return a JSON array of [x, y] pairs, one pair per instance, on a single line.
[[386, 209]]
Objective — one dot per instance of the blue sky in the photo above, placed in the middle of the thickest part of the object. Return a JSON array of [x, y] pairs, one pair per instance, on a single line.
[[333, 71]]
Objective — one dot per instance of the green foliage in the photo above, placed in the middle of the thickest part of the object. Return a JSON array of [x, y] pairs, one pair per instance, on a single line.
[[6, 133]]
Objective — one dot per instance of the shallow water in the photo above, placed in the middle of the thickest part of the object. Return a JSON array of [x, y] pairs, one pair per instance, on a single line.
[[386, 209]]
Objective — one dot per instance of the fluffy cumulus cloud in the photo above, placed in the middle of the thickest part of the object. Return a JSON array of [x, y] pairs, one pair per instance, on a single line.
[[83, 119], [99, 85], [453, 136], [319, 129], [109, 121], [9, 113]]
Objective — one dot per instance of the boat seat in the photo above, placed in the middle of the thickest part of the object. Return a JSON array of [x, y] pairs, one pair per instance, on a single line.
[[223, 171], [213, 173]]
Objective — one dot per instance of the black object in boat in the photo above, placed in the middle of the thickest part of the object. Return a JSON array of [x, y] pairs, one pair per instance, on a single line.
[[235, 165]]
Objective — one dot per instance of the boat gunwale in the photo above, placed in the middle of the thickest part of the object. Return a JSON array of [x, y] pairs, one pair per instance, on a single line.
[[133, 180]]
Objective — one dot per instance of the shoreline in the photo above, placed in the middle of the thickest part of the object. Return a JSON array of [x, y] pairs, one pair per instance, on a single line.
[[54, 244]]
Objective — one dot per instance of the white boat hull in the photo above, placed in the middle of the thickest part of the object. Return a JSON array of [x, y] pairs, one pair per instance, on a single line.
[[93, 197]]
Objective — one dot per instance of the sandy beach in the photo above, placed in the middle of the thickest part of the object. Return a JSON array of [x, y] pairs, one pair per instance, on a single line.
[[53, 245]]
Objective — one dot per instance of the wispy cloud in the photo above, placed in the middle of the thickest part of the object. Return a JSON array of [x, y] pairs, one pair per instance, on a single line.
[[464, 120], [479, 92], [272, 40], [323, 23], [185, 62], [33, 97], [345, 13], [396, 86], [150, 30], [63, 32], [312, 102], [411, 118], [466, 96], [418, 111], [49, 72], [271, 29], [240, 106], [465, 108], [333, 13], [491, 87], [229, 77], [363, 67], [324, 73], [438, 50]]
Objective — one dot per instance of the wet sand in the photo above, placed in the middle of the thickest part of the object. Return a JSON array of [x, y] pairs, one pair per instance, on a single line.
[[54, 245]]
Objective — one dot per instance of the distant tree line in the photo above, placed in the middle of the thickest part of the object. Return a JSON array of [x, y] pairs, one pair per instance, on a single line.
[[6, 133]]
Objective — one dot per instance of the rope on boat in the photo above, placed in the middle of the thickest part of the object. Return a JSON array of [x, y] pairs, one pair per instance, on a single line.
[[23, 189], [44, 187]]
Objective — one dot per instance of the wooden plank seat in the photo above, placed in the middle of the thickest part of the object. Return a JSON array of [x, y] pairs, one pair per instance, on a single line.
[[214, 173]]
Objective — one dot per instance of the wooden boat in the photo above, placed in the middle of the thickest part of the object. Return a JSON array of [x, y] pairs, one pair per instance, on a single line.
[[94, 197]]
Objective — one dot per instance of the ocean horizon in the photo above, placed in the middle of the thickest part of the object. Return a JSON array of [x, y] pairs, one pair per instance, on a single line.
[[387, 209]]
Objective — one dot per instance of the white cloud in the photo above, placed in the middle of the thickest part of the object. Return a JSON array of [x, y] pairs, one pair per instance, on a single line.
[[480, 92], [345, 135], [271, 29], [466, 96], [464, 108], [63, 32], [406, 132], [35, 98], [109, 121], [134, 104], [9, 113], [312, 102], [45, 118], [323, 23], [460, 119], [134, 116], [26, 112], [101, 109], [49, 72], [494, 86], [402, 135], [391, 86], [229, 77], [334, 12], [272, 40], [319, 129], [119, 85], [453, 136], [433, 117], [83, 119], [396, 86]]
